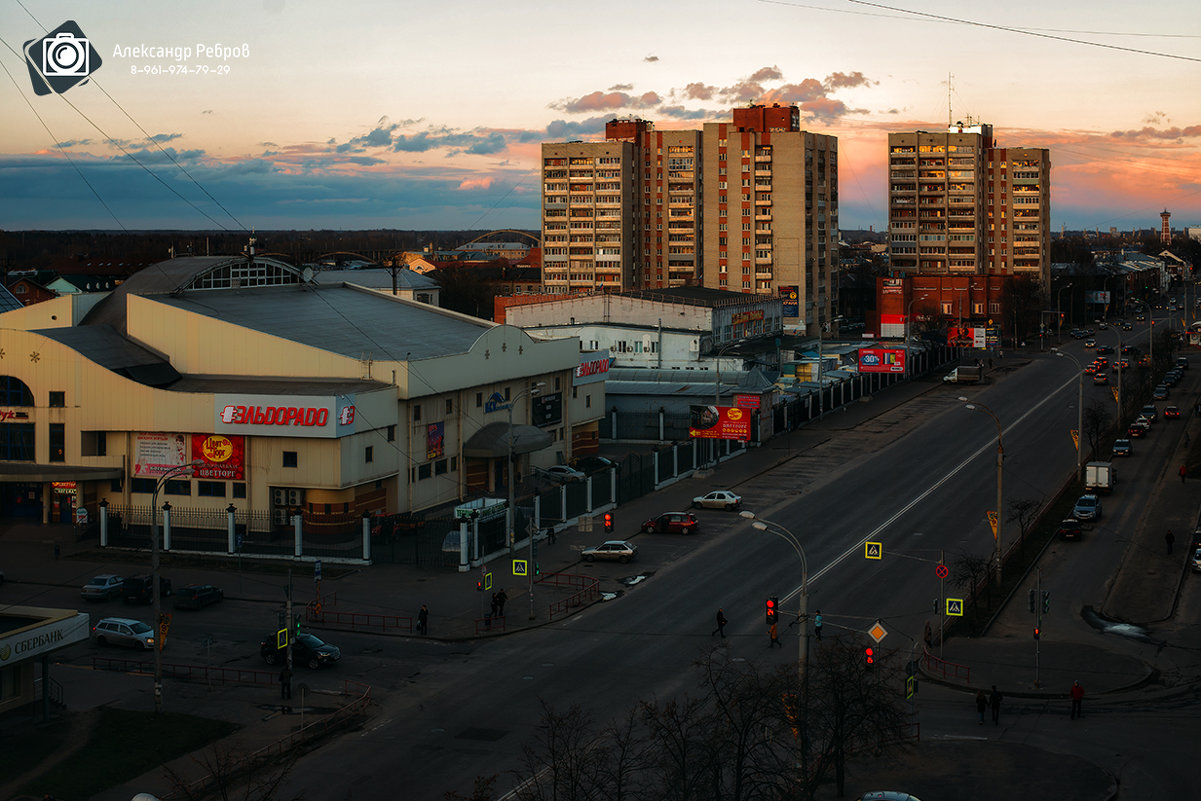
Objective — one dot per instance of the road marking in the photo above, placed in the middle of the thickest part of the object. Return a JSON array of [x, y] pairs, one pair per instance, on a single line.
[[857, 548]]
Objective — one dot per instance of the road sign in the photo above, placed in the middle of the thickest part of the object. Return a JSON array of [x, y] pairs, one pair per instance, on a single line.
[[955, 607], [910, 687], [317, 570], [281, 639], [487, 581], [81, 515], [1114, 390], [520, 567], [992, 522], [1076, 438], [877, 632], [873, 550], [941, 571]]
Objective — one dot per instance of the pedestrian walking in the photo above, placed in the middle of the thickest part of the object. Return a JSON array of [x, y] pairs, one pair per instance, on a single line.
[[494, 605], [1170, 540], [501, 597], [1183, 473], [981, 705], [775, 636], [994, 702], [423, 620], [58, 550], [1077, 694], [721, 624], [550, 534], [285, 684], [817, 625]]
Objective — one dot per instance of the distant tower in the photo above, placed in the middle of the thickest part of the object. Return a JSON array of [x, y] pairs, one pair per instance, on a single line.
[[1165, 228]]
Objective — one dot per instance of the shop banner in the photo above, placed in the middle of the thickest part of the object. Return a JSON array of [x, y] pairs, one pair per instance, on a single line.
[[881, 360], [156, 452], [224, 457], [791, 298], [720, 422], [435, 440]]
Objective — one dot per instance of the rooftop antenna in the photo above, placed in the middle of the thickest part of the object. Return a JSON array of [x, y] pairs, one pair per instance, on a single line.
[[950, 118]]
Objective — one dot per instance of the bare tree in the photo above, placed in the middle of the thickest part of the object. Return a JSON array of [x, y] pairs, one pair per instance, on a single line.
[[228, 775], [1025, 512], [968, 571], [1096, 420]]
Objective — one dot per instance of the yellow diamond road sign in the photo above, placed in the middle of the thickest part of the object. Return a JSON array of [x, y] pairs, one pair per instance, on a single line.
[[877, 632], [873, 550], [992, 522]]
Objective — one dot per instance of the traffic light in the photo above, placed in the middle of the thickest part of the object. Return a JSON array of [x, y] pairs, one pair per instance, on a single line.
[[297, 626], [1030, 597], [1046, 601], [869, 656], [479, 586], [608, 522], [772, 605], [1036, 632], [537, 569]]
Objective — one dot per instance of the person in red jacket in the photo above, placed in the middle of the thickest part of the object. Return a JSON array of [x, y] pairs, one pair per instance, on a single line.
[[1077, 694]]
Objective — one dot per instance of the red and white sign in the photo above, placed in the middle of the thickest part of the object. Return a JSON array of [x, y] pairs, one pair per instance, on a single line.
[[224, 457], [8, 415], [284, 416], [747, 401], [593, 367], [881, 360], [720, 422]]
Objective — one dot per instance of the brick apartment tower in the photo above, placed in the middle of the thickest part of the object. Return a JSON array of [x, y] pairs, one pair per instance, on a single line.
[[1165, 227], [770, 216], [623, 213], [960, 205]]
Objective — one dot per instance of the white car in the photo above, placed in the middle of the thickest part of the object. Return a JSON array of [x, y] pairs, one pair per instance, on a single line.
[[618, 550], [123, 631], [101, 588], [561, 472], [718, 499]]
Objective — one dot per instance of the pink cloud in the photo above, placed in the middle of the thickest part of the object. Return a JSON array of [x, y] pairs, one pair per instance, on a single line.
[[468, 184], [767, 74], [1148, 132], [742, 92], [607, 101], [699, 91], [807, 90], [843, 80]]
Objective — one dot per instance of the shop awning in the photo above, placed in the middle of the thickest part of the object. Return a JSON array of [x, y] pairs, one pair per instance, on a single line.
[[492, 441], [30, 473]]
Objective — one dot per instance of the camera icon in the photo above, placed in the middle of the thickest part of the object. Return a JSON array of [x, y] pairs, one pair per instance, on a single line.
[[60, 59], [65, 54]]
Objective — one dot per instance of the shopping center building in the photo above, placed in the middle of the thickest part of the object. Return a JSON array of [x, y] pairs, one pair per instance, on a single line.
[[290, 396]]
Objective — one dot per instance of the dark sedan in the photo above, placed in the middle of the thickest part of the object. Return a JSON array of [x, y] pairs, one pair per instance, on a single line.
[[197, 596], [306, 650]]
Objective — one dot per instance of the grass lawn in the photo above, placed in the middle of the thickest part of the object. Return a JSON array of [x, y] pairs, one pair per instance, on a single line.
[[123, 745]]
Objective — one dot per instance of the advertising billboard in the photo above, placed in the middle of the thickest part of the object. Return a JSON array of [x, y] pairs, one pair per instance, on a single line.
[[720, 422], [881, 360], [791, 297], [222, 457]]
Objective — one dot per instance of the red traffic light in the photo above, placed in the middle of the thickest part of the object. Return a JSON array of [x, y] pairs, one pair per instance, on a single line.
[[608, 521], [869, 655], [1036, 632], [770, 608]]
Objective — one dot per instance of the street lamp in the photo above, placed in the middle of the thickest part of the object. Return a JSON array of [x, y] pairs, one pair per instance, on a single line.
[[1059, 313], [908, 332], [155, 593], [1080, 403], [1000, 466], [820, 385], [1151, 323], [511, 513], [802, 615]]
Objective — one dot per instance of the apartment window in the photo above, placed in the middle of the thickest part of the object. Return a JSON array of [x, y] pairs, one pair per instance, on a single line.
[[946, 308], [144, 486], [439, 467], [58, 399], [479, 399], [93, 443], [369, 454], [289, 458], [58, 445], [391, 433], [450, 405], [210, 489], [416, 412], [424, 471], [239, 490], [588, 401]]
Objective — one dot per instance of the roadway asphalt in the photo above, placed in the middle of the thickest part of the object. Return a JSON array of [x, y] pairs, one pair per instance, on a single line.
[[979, 767]]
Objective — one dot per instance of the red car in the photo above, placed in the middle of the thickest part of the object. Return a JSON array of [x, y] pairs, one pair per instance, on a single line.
[[1171, 413], [671, 523]]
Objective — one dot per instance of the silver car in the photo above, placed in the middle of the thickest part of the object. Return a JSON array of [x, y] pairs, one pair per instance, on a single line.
[[617, 550], [123, 631], [1087, 508], [103, 587], [718, 499]]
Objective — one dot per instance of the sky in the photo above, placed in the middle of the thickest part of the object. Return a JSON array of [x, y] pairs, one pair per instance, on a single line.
[[296, 114]]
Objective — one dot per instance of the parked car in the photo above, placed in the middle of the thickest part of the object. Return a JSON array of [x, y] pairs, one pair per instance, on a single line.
[[101, 588], [123, 631], [618, 550], [1171, 413], [718, 499], [306, 650], [197, 596], [593, 464], [888, 795], [1088, 507], [671, 523], [1069, 529], [140, 589], [1121, 447], [561, 472], [1197, 560]]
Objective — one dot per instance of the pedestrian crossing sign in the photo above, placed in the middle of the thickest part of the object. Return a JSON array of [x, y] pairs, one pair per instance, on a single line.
[[955, 607], [873, 550], [520, 567], [488, 580]]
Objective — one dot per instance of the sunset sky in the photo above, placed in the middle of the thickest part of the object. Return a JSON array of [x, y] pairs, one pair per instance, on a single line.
[[430, 115]]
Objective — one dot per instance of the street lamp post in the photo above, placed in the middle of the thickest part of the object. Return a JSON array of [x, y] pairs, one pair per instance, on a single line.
[[1059, 313], [155, 594], [1080, 404], [511, 513], [908, 333], [1000, 467], [717, 387], [820, 384]]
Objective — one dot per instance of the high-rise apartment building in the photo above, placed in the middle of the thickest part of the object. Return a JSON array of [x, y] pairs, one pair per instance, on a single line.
[[770, 221], [623, 213], [746, 206], [960, 205]]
